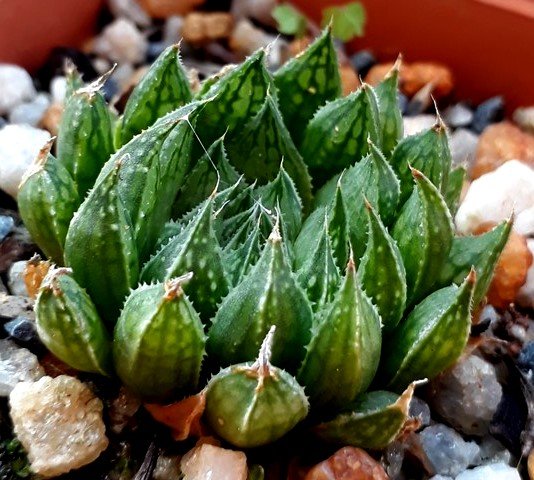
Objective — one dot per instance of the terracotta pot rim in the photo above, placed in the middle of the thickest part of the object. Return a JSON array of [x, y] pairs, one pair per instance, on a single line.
[[520, 7]]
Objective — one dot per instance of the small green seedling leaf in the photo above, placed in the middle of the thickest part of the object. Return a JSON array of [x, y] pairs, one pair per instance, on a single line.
[[289, 20], [348, 21]]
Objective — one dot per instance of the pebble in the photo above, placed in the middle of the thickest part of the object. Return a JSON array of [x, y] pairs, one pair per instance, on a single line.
[[524, 222], [30, 113], [350, 81], [15, 279], [172, 30], [459, 115], [12, 306], [495, 471], [6, 226], [23, 331], [154, 50], [59, 423], [167, 468], [209, 461], [123, 407], [259, 10], [348, 463], [467, 395], [199, 27], [403, 102], [510, 272], [55, 65], [16, 87], [488, 112], [420, 409], [246, 38], [463, 144], [58, 89], [363, 61], [52, 118], [167, 8], [131, 10], [492, 197], [525, 296], [446, 451], [524, 117], [123, 75], [421, 101], [16, 365], [413, 125], [414, 76], [19, 145], [492, 451], [121, 42], [501, 143]]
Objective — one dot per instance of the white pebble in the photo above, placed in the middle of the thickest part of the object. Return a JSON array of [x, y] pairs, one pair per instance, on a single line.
[[19, 146], [16, 87], [59, 423], [494, 196], [525, 297], [463, 144], [58, 89], [131, 10], [30, 113], [16, 365], [413, 125], [260, 10], [524, 222], [495, 471], [209, 461], [172, 30], [15, 279], [121, 42], [246, 38]]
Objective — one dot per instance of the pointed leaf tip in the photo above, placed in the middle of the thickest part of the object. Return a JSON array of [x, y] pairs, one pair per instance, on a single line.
[[173, 287]]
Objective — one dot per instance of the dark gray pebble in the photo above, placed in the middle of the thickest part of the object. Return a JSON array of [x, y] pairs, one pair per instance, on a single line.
[[363, 61], [488, 112], [6, 225]]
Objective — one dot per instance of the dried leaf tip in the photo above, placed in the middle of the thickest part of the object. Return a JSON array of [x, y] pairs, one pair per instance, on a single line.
[[351, 265], [440, 126], [263, 362], [275, 236], [416, 174], [471, 276], [367, 203], [95, 86], [396, 68], [39, 162], [173, 287], [50, 281]]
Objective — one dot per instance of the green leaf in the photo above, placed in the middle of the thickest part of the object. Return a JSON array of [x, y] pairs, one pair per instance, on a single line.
[[348, 21], [162, 89], [159, 341], [234, 99], [259, 149], [372, 421], [268, 295], [69, 325], [85, 138], [342, 357], [338, 134], [454, 188], [47, 200], [390, 115], [250, 405], [428, 152], [319, 275], [212, 171], [195, 249], [432, 338], [281, 194], [423, 231], [100, 246], [382, 272], [289, 20], [306, 82], [481, 252]]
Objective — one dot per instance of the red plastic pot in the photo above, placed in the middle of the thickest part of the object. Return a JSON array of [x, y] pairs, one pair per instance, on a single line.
[[489, 44]]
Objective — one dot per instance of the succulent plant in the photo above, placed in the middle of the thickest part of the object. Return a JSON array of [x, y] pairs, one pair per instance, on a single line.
[[263, 213]]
